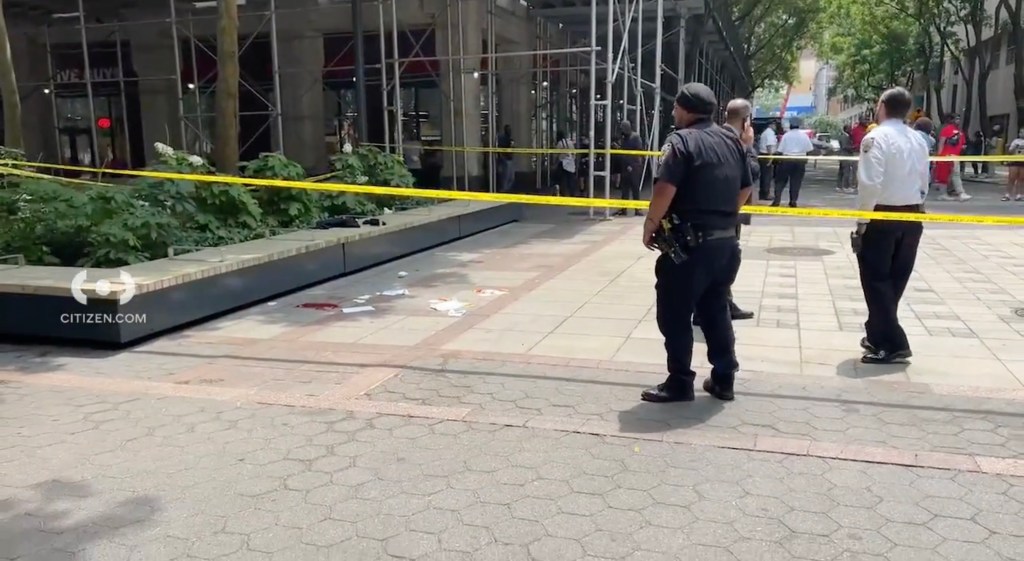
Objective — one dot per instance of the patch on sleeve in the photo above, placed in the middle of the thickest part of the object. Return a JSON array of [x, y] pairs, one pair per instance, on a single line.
[[665, 150], [866, 144]]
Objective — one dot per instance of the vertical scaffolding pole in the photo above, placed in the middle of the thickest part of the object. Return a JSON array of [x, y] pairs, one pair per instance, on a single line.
[[462, 98], [124, 98], [88, 83], [53, 95], [640, 66], [201, 148], [451, 92], [384, 74], [659, 31], [275, 60], [681, 71], [177, 74], [592, 154], [539, 100], [357, 42], [610, 78], [397, 71], [491, 126]]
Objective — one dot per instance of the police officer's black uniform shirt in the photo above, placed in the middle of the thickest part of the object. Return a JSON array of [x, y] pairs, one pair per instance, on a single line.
[[708, 166]]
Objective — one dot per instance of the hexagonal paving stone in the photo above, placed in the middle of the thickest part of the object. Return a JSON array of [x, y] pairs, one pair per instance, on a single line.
[[411, 545], [569, 526], [810, 523], [910, 535], [609, 545], [466, 538]]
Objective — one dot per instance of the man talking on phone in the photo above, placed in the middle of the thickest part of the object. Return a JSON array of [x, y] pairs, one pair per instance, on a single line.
[[738, 113]]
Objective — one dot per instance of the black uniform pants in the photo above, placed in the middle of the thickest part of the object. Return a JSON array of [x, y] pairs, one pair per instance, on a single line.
[[629, 182], [700, 284], [791, 173], [886, 259], [764, 188]]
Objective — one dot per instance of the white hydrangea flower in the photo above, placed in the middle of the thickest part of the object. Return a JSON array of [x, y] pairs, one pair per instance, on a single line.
[[347, 148], [163, 149], [195, 160]]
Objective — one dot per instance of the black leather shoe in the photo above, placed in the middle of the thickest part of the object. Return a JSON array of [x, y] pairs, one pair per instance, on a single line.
[[885, 357], [867, 346], [719, 392], [658, 394], [739, 313]]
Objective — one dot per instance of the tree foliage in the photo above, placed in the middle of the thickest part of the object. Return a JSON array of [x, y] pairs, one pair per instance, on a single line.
[[774, 33], [872, 45]]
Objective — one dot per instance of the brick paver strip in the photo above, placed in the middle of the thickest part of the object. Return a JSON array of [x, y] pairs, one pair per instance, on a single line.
[[86, 475], [653, 431]]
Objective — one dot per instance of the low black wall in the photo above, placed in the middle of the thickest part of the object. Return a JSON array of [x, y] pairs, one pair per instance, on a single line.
[[45, 318]]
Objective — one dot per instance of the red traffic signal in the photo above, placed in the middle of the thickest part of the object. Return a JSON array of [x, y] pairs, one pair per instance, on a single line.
[[104, 122]]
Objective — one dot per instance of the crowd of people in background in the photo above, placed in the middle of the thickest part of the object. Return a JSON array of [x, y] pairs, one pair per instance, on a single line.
[[569, 170]]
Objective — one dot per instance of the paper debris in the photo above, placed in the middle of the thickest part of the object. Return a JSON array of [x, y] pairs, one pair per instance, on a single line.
[[490, 292], [396, 292], [357, 309], [360, 300], [271, 303], [402, 274], [446, 305], [457, 313]]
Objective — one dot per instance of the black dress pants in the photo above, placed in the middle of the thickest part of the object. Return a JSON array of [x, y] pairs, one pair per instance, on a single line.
[[886, 259], [700, 284], [764, 188], [791, 173]]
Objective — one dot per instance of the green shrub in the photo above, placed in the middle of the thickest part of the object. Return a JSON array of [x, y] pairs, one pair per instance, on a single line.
[[55, 223]]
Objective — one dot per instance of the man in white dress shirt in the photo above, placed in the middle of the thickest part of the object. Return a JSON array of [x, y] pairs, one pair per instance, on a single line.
[[766, 145], [795, 142], [893, 176]]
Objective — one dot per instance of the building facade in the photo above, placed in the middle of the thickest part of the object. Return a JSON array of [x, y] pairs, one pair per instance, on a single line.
[[1002, 106], [108, 82]]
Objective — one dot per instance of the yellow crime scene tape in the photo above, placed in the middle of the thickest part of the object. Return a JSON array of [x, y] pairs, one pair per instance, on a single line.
[[619, 152], [523, 199]]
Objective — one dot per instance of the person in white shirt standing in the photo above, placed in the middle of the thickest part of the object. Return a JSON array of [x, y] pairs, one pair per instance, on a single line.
[[893, 173], [791, 172], [566, 170], [766, 145]]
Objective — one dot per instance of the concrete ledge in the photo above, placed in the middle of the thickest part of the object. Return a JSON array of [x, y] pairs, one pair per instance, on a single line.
[[38, 302]]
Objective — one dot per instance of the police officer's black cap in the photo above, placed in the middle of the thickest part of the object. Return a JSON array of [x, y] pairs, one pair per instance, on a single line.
[[697, 99]]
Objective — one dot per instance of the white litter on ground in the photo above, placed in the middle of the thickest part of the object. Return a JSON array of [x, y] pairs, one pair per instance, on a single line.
[[402, 274], [490, 292], [396, 292], [357, 309]]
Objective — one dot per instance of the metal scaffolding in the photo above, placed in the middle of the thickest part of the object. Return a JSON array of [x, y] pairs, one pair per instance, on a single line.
[[591, 64]]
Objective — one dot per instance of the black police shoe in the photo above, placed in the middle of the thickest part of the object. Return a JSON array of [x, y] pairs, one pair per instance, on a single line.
[[718, 391], [658, 394], [738, 313], [886, 357]]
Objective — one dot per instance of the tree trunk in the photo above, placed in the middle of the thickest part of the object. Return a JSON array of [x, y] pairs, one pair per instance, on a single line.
[[1017, 36], [9, 90], [972, 68], [225, 150], [983, 73], [939, 109]]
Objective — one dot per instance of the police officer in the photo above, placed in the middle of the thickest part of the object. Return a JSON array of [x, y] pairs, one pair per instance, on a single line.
[[893, 175], [702, 182]]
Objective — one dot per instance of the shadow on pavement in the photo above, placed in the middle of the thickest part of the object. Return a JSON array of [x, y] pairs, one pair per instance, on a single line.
[[57, 522], [646, 418], [852, 368]]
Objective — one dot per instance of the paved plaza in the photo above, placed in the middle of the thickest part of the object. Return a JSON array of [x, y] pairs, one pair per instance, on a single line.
[[505, 425]]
